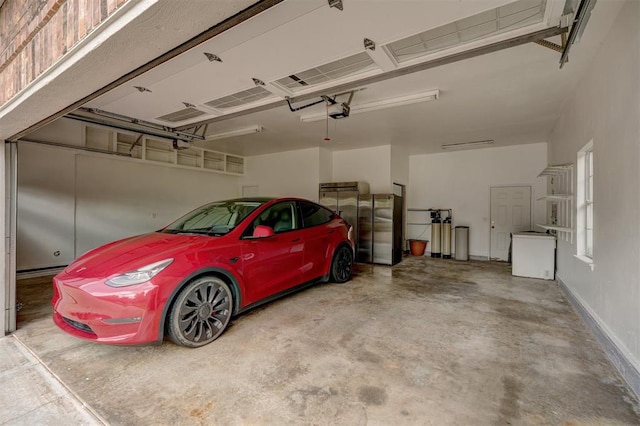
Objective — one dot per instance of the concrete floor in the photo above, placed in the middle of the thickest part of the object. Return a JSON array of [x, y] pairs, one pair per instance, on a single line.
[[425, 342]]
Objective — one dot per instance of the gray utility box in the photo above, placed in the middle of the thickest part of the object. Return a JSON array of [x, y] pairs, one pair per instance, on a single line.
[[462, 243]]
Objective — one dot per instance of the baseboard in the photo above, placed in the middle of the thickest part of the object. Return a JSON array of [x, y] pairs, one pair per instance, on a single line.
[[41, 272], [619, 360], [472, 257], [453, 256]]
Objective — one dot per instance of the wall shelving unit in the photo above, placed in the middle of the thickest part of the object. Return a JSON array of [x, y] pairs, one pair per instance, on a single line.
[[161, 151], [559, 199]]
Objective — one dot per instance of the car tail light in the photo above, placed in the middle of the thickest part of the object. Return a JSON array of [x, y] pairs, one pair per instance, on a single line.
[[350, 235]]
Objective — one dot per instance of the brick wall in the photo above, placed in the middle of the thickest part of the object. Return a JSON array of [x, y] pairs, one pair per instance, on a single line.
[[34, 34]]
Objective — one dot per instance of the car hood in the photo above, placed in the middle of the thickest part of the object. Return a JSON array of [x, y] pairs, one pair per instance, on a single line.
[[132, 253]]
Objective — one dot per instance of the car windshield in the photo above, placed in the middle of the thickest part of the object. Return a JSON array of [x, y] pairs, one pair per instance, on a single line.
[[213, 219]]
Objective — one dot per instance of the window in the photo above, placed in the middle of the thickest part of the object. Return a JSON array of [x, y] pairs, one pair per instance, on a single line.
[[281, 217], [313, 214], [213, 219], [585, 203], [588, 243]]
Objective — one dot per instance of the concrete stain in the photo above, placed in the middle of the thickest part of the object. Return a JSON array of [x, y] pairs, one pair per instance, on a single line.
[[200, 412], [300, 398], [367, 356], [510, 402], [372, 395]]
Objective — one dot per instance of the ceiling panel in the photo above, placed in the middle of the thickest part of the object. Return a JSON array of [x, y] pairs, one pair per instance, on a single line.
[[512, 96], [288, 39]]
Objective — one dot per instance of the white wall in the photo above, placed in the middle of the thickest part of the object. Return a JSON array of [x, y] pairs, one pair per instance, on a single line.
[[461, 181], [606, 108], [292, 173], [372, 165], [298, 173], [46, 207], [70, 202], [62, 131], [116, 198], [326, 165], [399, 165]]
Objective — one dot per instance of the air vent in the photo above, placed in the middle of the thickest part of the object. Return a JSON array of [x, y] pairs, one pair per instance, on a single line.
[[486, 24], [335, 70], [241, 98], [183, 114]]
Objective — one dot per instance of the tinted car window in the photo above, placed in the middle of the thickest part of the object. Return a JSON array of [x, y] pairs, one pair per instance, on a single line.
[[313, 214], [282, 217]]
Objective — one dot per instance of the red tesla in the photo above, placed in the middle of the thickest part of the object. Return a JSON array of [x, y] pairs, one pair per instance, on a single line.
[[187, 280]]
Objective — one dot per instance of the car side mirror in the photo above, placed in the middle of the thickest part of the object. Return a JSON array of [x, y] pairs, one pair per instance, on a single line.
[[263, 231]]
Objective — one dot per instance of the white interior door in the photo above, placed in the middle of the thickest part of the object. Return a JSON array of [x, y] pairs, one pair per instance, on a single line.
[[510, 213]]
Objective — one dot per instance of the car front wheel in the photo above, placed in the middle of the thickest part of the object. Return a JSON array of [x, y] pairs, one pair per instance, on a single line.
[[200, 313], [342, 264]]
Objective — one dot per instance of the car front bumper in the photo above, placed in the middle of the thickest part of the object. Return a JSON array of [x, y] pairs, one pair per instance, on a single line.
[[91, 310]]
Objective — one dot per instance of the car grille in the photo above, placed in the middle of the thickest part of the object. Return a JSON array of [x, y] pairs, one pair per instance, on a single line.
[[78, 325]]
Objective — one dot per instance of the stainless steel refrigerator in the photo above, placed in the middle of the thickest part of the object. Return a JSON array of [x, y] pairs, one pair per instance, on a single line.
[[342, 198], [380, 229]]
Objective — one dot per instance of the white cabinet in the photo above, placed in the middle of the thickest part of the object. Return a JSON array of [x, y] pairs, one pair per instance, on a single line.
[[559, 199], [160, 151]]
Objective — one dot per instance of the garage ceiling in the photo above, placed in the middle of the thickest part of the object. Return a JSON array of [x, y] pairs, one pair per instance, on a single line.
[[297, 48]]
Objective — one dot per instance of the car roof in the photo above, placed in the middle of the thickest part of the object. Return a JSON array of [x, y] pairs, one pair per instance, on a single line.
[[267, 199]]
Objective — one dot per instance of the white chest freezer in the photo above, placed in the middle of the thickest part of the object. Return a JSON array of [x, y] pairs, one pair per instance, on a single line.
[[533, 254]]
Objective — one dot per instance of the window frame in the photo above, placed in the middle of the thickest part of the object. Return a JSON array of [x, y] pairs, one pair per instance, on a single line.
[[585, 204], [296, 220]]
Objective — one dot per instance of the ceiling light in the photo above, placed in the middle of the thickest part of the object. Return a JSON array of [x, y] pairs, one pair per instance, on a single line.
[[237, 132], [380, 104], [463, 145]]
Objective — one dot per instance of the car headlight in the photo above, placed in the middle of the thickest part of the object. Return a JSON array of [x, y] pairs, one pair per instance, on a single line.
[[140, 275]]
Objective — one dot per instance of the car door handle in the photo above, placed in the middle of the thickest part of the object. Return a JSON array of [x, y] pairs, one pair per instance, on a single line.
[[330, 232], [295, 240]]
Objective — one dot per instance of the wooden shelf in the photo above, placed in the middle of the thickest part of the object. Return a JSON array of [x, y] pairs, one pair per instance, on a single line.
[[556, 197], [555, 228], [556, 169], [559, 198], [161, 151]]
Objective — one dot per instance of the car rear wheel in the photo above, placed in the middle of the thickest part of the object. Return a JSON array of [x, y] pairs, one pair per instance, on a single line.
[[342, 264], [201, 312]]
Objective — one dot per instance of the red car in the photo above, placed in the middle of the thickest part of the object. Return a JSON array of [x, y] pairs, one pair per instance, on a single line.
[[188, 279]]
